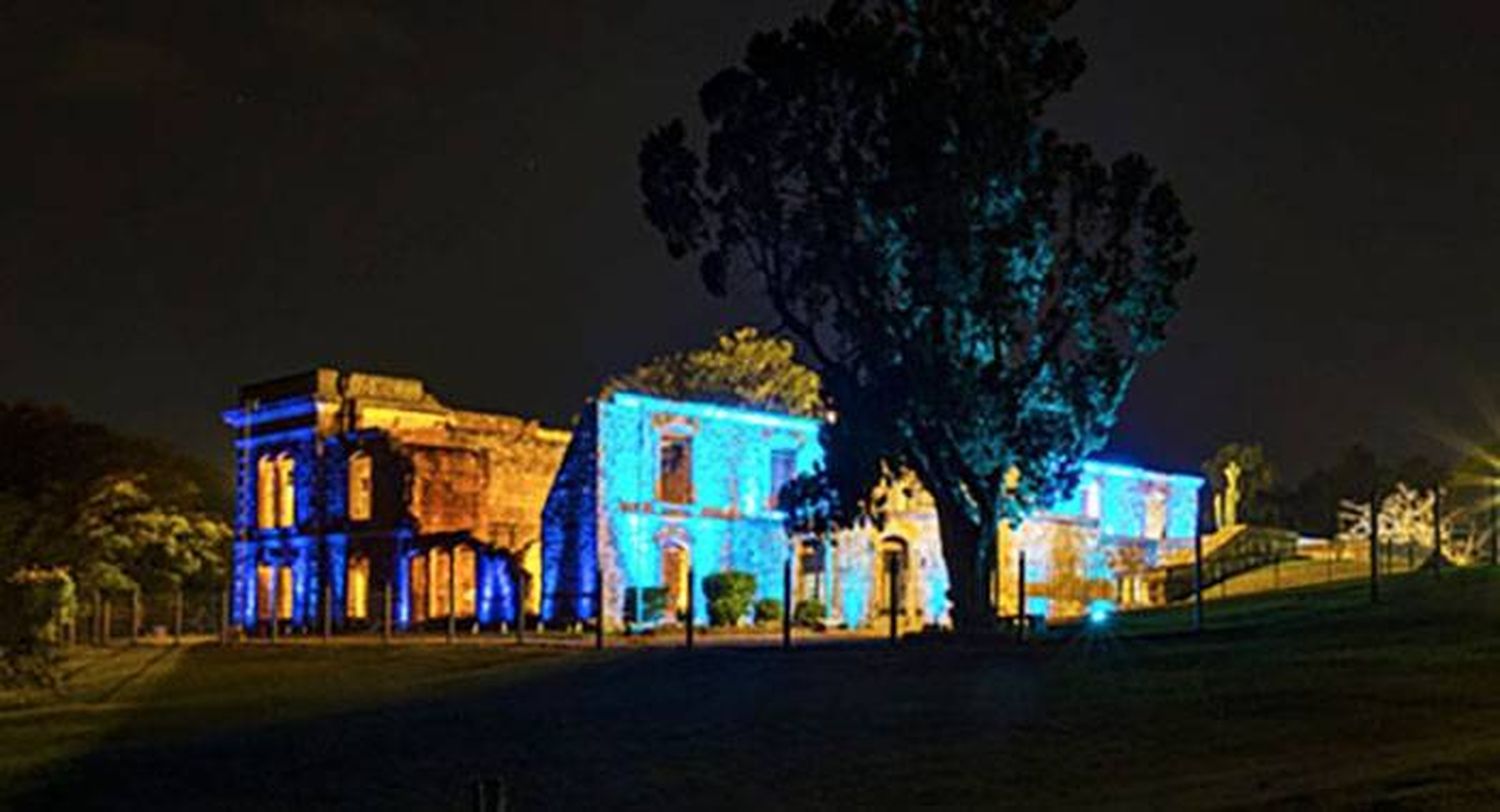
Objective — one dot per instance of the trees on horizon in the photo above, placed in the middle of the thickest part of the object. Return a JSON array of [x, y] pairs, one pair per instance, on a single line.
[[114, 512]]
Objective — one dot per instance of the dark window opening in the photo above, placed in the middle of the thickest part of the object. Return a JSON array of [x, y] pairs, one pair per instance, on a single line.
[[674, 484]]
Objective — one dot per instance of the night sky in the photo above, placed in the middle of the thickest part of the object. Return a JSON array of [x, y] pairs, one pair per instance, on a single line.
[[202, 194]]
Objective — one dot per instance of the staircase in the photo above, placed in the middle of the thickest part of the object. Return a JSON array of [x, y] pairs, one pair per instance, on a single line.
[[1227, 552]]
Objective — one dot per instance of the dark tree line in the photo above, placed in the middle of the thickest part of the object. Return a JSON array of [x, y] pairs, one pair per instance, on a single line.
[[102, 506]]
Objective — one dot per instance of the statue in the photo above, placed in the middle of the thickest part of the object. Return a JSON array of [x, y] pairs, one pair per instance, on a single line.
[[1227, 504]]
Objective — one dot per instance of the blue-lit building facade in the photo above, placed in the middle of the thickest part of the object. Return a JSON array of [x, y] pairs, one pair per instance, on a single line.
[[352, 487], [651, 489]]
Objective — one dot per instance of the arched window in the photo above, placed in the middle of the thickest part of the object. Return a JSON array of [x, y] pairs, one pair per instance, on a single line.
[[361, 486], [265, 492], [286, 491]]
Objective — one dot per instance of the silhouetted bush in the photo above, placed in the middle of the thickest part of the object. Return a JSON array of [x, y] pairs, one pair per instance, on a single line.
[[767, 610], [34, 606], [729, 595], [809, 613]]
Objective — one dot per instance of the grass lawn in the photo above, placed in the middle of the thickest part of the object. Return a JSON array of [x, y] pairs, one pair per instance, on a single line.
[[1307, 697]]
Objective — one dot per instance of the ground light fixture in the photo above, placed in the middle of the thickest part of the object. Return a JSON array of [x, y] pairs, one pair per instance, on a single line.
[[1100, 612]]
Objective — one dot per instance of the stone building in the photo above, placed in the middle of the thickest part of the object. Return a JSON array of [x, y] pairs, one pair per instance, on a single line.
[[350, 484], [651, 490]]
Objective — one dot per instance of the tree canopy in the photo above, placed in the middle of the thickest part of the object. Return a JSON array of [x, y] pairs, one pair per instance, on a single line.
[[742, 367], [976, 291], [114, 511]]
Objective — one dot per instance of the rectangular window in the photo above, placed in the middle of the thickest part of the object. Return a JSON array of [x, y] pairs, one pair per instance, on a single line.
[[783, 470], [1156, 516], [358, 586], [286, 491], [265, 493], [263, 591], [361, 486], [674, 482], [284, 593]]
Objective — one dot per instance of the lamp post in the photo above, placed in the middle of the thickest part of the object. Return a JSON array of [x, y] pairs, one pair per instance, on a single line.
[[1021, 618], [691, 609], [1198, 576], [1494, 521], [522, 582], [1437, 532], [1374, 545], [599, 608], [786, 601]]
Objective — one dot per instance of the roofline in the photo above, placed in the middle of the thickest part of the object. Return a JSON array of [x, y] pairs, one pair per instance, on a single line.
[[714, 410]]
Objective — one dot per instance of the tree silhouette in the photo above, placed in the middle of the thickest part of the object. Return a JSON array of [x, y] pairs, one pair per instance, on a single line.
[[975, 291], [742, 367]]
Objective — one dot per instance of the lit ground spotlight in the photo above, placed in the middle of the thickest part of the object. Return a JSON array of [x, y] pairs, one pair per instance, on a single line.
[[1101, 612]]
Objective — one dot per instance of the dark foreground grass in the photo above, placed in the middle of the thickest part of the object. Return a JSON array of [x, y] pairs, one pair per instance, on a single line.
[[1305, 698]]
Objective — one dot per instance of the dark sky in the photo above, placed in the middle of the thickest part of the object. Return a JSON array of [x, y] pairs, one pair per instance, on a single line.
[[197, 195]]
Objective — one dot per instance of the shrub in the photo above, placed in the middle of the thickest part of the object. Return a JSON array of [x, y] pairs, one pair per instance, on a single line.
[[729, 595], [34, 606], [809, 613], [767, 610]]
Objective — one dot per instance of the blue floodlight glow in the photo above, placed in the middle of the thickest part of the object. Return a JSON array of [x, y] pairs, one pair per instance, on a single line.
[[1100, 611]]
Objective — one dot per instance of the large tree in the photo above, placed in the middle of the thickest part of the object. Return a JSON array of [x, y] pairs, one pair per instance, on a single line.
[[741, 367], [975, 291]]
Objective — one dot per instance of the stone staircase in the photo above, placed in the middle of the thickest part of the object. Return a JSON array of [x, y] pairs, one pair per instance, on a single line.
[[1227, 552]]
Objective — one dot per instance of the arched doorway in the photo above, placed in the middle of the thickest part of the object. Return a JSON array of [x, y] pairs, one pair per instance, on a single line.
[[675, 563], [892, 577]]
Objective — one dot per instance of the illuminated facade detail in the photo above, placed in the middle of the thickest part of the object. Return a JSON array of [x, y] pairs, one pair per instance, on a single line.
[[361, 486], [783, 470], [286, 491], [613, 506], [644, 506], [346, 478], [674, 477], [358, 589], [265, 492]]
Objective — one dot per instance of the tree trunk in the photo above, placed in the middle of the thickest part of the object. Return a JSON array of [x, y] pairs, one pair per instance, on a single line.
[[968, 553]]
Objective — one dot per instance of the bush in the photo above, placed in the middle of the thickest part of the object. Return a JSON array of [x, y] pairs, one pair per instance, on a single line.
[[729, 595], [767, 610], [809, 613], [34, 606], [645, 604]]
